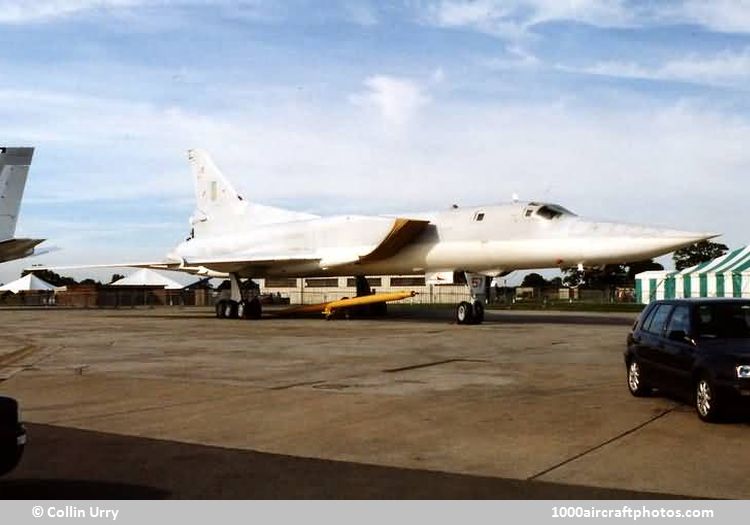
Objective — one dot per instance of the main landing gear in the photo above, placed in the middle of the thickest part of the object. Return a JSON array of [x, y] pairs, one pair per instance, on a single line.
[[473, 312], [236, 307]]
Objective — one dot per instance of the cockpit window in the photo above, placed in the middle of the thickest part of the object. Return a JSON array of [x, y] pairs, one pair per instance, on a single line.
[[546, 211], [552, 211]]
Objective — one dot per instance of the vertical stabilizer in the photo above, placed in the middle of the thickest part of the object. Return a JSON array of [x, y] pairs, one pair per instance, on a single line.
[[220, 210], [212, 189], [14, 168], [217, 203]]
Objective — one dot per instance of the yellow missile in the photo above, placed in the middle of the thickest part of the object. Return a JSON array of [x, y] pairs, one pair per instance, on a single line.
[[328, 308]]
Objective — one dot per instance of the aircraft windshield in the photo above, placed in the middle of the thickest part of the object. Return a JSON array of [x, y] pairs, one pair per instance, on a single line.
[[552, 211], [724, 320]]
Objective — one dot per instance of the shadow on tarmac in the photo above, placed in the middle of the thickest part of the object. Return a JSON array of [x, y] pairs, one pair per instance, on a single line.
[[56, 489], [444, 316], [66, 463]]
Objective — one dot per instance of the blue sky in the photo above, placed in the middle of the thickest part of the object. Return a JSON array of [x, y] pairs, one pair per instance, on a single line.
[[633, 111]]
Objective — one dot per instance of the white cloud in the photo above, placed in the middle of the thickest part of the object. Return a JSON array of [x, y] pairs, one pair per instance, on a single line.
[[22, 11], [718, 15], [516, 57], [728, 69], [34, 11], [396, 99], [438, 76], [514, 18], [361, 12]]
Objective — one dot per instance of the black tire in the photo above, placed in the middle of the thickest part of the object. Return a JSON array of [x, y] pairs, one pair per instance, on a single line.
[[464, 313], [478, 312], [242, 309], [706, 401], [10, 457], [220, 309], [10, 450], [231, 309], [254, 309], [8, 412], [636, 385]]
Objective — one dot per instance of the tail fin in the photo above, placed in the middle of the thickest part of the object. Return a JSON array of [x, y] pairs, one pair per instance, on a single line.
[[220, 209], [14, 168], [212, 189]]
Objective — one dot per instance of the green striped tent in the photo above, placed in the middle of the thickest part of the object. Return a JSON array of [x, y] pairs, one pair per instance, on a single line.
[[727, 276]]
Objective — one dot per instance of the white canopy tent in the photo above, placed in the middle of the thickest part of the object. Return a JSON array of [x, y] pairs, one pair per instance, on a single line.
[[28, 283], [147, 277]]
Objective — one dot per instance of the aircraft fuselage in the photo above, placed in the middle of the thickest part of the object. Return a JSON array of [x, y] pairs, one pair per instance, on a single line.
[[489, 239]]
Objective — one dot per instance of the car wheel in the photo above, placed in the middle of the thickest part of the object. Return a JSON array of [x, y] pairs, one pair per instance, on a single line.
[[11, 444], [636, 385], [706, 401]]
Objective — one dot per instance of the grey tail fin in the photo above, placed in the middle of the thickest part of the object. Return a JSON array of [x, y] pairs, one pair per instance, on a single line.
[[14, 169]]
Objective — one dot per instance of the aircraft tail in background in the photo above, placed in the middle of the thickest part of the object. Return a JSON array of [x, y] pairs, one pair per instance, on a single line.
[[14, 169]]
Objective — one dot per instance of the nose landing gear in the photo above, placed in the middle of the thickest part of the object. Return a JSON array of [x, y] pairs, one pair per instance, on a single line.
[[473, 312]]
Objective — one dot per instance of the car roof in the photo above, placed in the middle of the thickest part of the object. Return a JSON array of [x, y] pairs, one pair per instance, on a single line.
[[697, 300]]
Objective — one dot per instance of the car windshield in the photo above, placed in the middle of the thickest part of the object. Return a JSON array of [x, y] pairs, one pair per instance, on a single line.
[[723, 320]]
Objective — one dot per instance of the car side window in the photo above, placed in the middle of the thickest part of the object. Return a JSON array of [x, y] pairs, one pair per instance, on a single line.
[[648, 314], [658, 319], [680, 320]]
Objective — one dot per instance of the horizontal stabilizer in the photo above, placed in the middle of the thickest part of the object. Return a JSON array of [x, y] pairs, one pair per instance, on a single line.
[[17, 248]]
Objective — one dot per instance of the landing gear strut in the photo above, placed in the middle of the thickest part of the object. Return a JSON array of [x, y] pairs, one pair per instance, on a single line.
[[473, 312], [236, 307]]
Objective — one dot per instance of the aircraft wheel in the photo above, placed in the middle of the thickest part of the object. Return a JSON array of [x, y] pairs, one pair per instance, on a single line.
[[464, 313], [478, 312], [242, 309], [253, 310], [220, 309], [231, 309]]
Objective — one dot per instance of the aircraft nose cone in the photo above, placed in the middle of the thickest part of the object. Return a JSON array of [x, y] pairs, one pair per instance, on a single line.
[[684, 238], [654, 242], [610, 241]]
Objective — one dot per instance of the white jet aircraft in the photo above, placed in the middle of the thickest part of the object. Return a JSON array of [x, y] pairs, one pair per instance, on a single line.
[[14, 169], [232, 237]]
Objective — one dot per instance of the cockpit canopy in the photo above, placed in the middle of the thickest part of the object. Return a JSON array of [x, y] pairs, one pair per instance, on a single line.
[[546, 211]]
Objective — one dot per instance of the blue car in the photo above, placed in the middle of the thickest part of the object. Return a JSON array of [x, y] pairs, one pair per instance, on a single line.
[[696, 348]]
